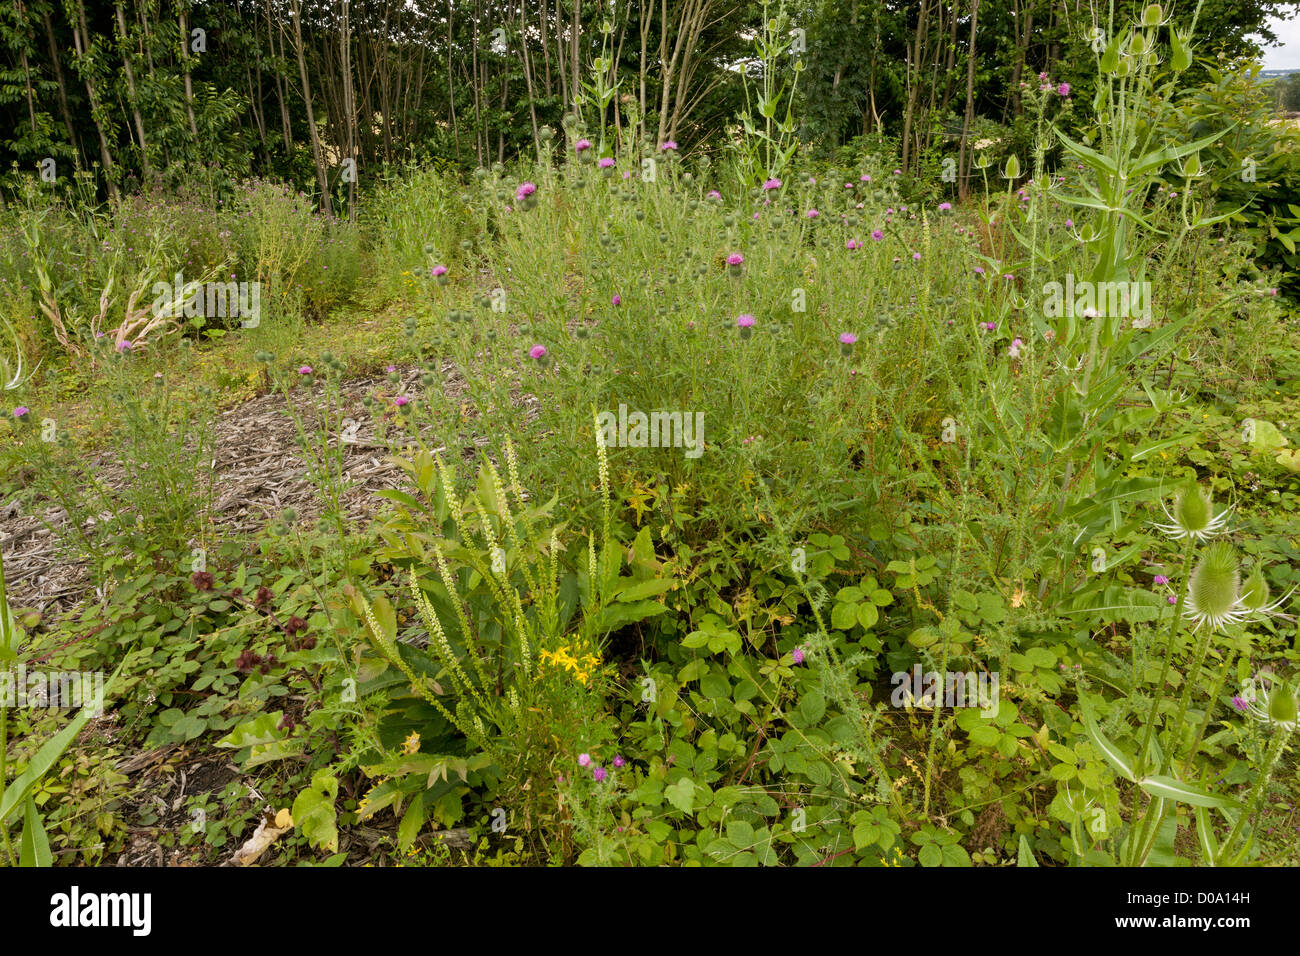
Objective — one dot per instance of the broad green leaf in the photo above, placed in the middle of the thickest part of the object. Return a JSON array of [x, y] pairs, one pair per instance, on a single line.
[[1121, 761], [1025, 856], [681, 794], [314, 813], [1170, 788], [1160, 446], [412, 822], [646, 589], [36, 845]]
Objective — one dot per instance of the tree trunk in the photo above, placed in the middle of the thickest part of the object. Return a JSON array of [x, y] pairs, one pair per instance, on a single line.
[[317, 153], [63, 87], [963, 155], [131, 92]]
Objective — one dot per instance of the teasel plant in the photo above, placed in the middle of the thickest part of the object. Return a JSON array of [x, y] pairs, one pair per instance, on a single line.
[[1212, 602]]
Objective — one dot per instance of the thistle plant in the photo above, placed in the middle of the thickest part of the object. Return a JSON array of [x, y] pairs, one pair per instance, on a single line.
[[16, 795], [320, 435]]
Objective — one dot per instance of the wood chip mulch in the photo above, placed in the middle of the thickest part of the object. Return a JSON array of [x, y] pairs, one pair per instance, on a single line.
[[257, 474]]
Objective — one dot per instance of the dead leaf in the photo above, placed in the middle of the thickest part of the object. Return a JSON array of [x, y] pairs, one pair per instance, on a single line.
[[265, 834]]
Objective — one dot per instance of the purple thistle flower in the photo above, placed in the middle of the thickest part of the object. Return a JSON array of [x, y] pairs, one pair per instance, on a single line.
[[304, 370], [745, 321], [20, 411], [537, 351], [525, 190], [599, 774], [400, 400], [1160, 579], [616, 300], [735, 259], [797, 655], [668, 145], [581, 145], [619, 761], [584, 760], [877, 235], [606, 162]]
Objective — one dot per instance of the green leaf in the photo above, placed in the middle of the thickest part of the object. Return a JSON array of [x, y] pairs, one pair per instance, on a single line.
[[740, 834], [1121, 761], [615, 616], [1169, 788], [1205, 838], [868, 615], [844, 616], [681, 794], [314, 814], [412, 822], [1160, 446], [813, 706], [45, 758], [646, 589], [1025, 856], [262, 729], [36, 845]]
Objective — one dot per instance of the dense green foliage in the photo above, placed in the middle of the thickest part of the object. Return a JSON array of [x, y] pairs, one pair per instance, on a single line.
[[706, 465]]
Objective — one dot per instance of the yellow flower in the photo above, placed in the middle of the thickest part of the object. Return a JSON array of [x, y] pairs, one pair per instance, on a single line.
[[412, 743]]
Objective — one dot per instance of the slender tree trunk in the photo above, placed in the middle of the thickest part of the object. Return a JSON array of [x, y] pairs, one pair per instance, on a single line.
[[131, 91], [317, 153], [80, 40], [963, 155], [183, 21], [63, 86], [286, 128], [349, 108]]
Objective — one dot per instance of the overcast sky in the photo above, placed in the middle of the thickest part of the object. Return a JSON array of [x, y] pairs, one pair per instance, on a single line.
[[1286, 55]]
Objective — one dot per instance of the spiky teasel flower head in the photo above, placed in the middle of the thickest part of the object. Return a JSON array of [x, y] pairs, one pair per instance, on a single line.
[[1214, 590], [1255, 594], [1193, 516], [1272, 701]]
